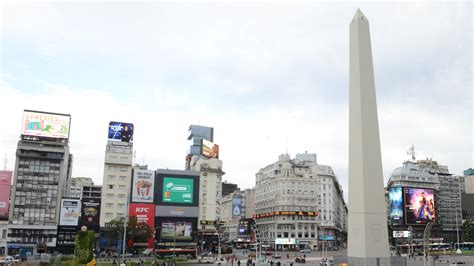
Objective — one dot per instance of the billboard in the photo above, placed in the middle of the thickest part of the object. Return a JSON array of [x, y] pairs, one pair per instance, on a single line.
[[210, 149], [42, 124], [180, 230], [400, 234], [145, 213], [121, 131], [178, 190], [143, 186], [5, 187], [70, 209], [419, 206], [90, 212], [285, 241], [237, 206], [177, 211], [395, 198]]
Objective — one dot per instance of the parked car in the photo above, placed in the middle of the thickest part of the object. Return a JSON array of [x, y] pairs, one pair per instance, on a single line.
[[20, 257], [305, 251], [9, 259], [276, 256], [326, 262]]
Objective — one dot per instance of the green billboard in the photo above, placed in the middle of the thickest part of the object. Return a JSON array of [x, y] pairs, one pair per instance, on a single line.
[[177, 190]]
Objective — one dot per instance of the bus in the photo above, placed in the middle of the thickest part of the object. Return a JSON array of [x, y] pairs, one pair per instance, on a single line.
[[439, 246], [464, 246]]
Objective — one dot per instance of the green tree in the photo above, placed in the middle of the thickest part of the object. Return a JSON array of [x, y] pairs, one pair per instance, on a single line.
[[85, 243], [468, 228], [115, 230]]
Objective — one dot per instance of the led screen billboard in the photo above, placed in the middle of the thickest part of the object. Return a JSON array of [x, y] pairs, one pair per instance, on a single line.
[[70, 209], [180, 230], [237, 206], [178, 190], [285, 241], [419, 206], [5, 187], [209, 149], [143, 186], [121, 131], [395, 197], [90, 213], [42, 124]]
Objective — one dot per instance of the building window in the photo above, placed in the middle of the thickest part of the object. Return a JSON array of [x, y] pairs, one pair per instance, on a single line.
[[111, 186]]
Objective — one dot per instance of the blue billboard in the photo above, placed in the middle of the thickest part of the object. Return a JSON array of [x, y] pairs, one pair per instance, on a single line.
[[395, 198], [121, 131], [236, 206]]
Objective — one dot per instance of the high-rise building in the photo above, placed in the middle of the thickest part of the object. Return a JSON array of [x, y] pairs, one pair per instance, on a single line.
[[117, 172], [228, 188], [236, 206], [436, 183], [298, 202], [469, 181], [42, 168], [196, 136], [75, 184]]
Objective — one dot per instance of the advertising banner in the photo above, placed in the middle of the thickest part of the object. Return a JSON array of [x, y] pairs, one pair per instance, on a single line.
[[44, 124], [121, 131], [178, 190], [400, 234], [70, 209], [179, 230], [90, 212], [143, 186], [237, 206], [145, 213], [210, 149], [419, 206], [285, 241], [395, 196], [177, 211], [5, 187]]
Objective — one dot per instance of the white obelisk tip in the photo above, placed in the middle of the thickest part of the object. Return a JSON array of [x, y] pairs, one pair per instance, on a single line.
[[359, 15]]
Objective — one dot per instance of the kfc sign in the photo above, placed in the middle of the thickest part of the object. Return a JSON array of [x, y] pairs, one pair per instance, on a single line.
[[145, 213]]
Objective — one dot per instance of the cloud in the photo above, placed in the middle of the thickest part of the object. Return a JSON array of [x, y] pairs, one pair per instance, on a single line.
[[260, 74]]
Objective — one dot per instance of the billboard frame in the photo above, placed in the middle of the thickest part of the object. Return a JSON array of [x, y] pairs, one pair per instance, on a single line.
[[46, 113], [159, 178]]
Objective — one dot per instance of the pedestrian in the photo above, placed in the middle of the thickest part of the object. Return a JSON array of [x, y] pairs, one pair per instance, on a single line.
[[238, 262]]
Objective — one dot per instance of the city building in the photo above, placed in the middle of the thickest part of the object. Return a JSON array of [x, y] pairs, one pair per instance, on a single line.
[[5, 189], [117, 172], [298, 204], [236, 208], [228, 188], [436, 183], [75, 184], [196, 136], [469, 181], [42, 169]]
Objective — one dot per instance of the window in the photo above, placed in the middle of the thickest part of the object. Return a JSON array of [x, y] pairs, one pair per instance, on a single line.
[[108, 215], [109, 205], [111, 186]]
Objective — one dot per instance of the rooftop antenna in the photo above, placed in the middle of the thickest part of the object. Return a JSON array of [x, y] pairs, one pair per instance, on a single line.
[[5, 162], [411, 151], [286, 144]]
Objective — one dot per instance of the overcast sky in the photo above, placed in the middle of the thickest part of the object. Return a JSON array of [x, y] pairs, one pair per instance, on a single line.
[[268, 78]]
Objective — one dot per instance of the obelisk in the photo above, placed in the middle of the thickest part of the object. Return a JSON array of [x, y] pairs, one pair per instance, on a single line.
[[368, 235]]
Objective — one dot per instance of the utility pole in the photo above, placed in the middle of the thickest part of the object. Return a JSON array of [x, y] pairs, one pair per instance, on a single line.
[[458, 251], [125, 227]]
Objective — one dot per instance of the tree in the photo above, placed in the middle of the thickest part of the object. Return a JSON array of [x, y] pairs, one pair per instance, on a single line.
[[115, 230], [468, 228], [85, 243], [138, 232]]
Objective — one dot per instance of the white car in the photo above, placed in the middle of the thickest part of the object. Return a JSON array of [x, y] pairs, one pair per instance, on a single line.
[[9, 259]]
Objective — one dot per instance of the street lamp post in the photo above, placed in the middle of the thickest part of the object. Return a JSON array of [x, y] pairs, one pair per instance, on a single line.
[[458, 251]]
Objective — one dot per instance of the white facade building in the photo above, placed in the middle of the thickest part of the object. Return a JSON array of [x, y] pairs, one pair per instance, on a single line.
[[210, 197], [117, 180], [296, 198]]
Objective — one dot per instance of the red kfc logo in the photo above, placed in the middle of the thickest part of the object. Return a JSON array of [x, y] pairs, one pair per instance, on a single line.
[[141, 209]]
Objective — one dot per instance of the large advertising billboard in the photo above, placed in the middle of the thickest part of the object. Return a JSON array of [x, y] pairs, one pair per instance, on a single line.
[[90, 213], [236, 206], [179, 230], [42, 124], [395, 197], [285, 241], [419, 206], [210, 149], [5, 187], [121, 131], [70, 209], [178, 190], [145, 213], [143, 186]]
